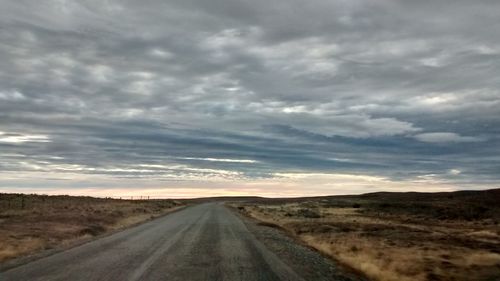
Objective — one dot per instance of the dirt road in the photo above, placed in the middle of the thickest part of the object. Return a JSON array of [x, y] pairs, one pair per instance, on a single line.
[[203, 242]]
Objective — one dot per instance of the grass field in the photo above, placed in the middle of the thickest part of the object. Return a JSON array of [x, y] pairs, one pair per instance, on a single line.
[[31, 223], [396, 236]]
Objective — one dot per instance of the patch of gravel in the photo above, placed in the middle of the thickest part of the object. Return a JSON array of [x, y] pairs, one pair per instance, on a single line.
[[305, 261]]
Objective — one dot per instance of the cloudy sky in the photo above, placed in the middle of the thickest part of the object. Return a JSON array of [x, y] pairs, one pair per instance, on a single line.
[[224, 97]]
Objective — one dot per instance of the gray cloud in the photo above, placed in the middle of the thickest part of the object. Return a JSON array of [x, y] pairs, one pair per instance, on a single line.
[[445, 137], [242, 90]]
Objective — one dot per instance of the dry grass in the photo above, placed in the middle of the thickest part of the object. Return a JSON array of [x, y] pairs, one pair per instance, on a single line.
[[394, 244], [31, 223]]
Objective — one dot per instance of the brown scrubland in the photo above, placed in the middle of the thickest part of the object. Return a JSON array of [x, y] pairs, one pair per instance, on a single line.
[[396, 236], [32, 223]]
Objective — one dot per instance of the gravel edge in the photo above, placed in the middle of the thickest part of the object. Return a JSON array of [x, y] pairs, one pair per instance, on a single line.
[[303, 259]]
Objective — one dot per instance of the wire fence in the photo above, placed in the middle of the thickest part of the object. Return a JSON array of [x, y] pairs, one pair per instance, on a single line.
[[16, 201]]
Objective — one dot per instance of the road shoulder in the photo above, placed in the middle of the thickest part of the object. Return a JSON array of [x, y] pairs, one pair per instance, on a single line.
[[16, 262], [307, 262]]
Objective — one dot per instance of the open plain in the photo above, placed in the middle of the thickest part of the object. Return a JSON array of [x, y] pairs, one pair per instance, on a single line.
[[30, 224], [396, 236]]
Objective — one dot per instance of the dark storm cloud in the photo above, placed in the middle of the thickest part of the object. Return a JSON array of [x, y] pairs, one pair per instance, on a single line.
[[246, 90]]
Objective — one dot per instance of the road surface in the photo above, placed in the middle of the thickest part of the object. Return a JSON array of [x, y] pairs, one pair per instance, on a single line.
[[203, 242]]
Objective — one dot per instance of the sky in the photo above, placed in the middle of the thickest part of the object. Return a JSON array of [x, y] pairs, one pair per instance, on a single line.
[[190, 98]]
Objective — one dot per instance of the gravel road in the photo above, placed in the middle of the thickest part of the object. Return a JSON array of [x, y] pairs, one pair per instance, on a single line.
[[202, 242]]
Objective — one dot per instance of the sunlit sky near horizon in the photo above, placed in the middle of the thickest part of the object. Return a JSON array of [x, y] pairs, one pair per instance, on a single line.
[[189, 98]]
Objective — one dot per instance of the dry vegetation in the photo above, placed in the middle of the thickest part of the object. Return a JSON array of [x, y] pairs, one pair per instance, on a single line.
[[31, 223], [397, 236]]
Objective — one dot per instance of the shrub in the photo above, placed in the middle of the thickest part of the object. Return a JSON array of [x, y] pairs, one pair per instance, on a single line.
[[93, 230], [325, 229], [309, 213]]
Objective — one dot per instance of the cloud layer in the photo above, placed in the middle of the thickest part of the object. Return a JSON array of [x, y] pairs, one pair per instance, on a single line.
[[228, 94]]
